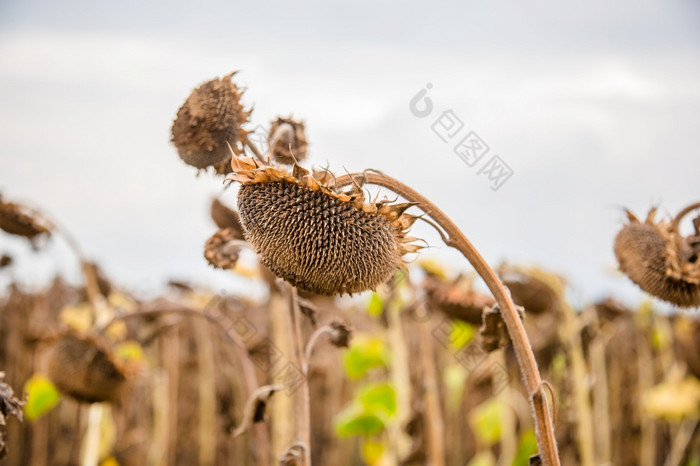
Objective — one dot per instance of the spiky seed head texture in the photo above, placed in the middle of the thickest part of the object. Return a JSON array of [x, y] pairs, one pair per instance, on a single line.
[[21, 221], [318, 239], [659, 260], [223, 248], [210, 119], [287, 141], [85, 370]]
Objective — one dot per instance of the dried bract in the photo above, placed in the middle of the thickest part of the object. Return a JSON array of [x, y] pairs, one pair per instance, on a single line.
[[223, 248], [225, 217], [208, 122], [287, 141], [340, 333], [84, 369], [659, 260], [320, 240]]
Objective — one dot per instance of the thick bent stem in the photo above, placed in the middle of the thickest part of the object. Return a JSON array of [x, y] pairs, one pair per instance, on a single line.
[[454, 237]]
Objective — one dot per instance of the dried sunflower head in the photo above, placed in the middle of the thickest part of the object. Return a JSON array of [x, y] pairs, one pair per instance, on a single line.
[[529, 291], [315, 237], [208, 121], [223, 248], [287, 141], [19, 220], [656, 257], [456, 300], [85, 370]]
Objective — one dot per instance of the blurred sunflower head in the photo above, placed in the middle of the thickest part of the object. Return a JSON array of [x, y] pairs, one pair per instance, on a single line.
[[19, 220], [662, 262], [287, 141], [223, 248], [83, 368], [316, 237], [208, 122]]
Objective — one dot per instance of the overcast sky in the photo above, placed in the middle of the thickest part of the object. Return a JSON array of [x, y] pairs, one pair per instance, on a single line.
[[593, 106]]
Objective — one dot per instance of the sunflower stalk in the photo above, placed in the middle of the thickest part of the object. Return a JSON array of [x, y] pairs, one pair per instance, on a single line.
[[303, 413], [453, 236], [311, 344]]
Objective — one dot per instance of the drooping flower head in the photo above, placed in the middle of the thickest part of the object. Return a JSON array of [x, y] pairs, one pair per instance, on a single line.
[[85, 369], [662, 262], [316, 237], [208, 122], [19, 220]]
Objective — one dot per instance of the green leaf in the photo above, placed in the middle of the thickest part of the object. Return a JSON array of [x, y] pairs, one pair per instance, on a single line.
[[453, 378], [462, 333], [526, 448], [378, 398], [485, 420], [376, 305], [363, 355], [42, 396], [372, 452], [129, 351], [355, 420]]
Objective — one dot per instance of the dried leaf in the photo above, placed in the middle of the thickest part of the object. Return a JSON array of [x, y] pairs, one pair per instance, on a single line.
[[10, 405]]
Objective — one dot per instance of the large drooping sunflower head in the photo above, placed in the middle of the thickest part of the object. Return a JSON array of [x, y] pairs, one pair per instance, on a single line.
[[316, 237], [662, 262]]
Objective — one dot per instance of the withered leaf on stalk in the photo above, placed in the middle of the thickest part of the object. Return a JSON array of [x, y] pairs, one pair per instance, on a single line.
[[493, 331], [255, 408], [10, 405], [225, 217]]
